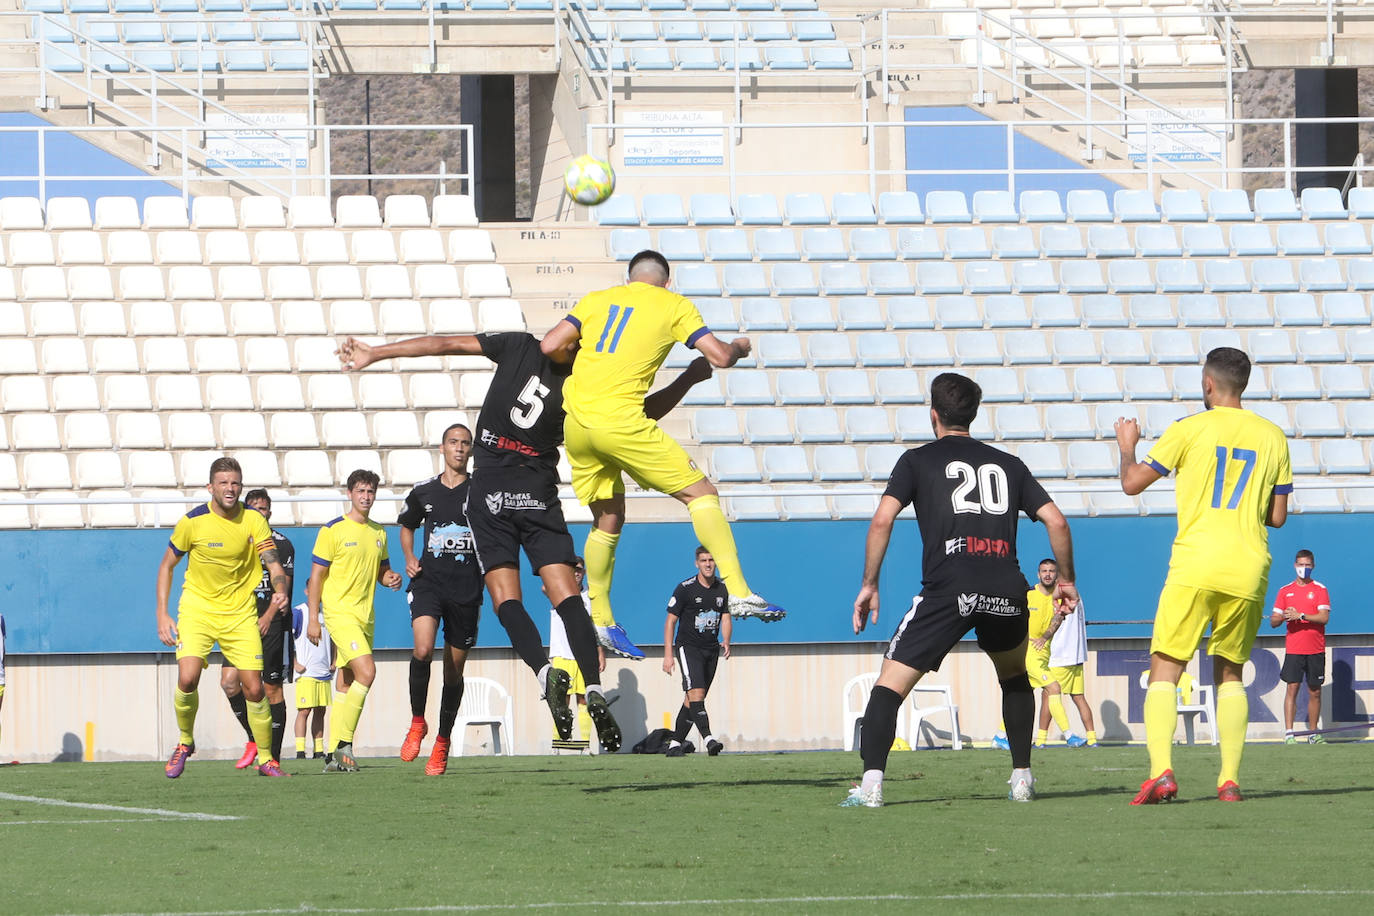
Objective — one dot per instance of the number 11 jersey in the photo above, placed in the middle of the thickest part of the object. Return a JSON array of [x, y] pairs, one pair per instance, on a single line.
[[967, 496]]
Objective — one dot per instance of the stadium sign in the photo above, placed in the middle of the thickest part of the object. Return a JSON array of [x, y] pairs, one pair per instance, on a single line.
[[275, 141], [655, 138], [1197, 138]]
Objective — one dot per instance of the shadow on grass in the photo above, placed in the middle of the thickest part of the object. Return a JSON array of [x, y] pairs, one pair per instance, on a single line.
[[819, 782]]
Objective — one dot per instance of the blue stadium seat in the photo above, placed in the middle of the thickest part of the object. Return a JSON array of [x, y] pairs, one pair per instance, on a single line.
[[806, 209], [1153, 311], [797, 506], [279, 28], [1187, 382], [781, 351], [633, 25], [1204, 241], [938, 277], [242, 60], [1014, 242], [1359, 345], [1000, 385], [880, 349], [1006, 312], [43, 6], [794, 280], [1135, 206], [761, 313], [1271, 346], [1274, 275], [818, 424], [848, 386], [1103, 310], [1299, 238], [799, 386], [1321, 275], [967, 242], [1018, 421], [1110, 242], [785, 57], [1124, 346], [994, 207], [824, 244], [1249, 240], [1361, 274], [811, 314], [860, 313], [947, 207], [1229, 205], [743, 280], [749, 386], [830, 57], [768, 26], [1323, 203], [718, 313], [1341, 456], [865, 424], [717, 425], [626, 243], [758, 210], [840, 462], [1344, 381], [919, 244], [1225, 277], [649, 56], [1033, 277], [678, 26], [1071, 345], [986, 278], [696, 57], [898, 386], [1361, 202], [619, 210], [1173, 346], [160, 58], [225, 27], [977, 348], [1129, 277], [1068, 421], [909, 312], [928, 350], [848, 280], [1062, 242], [1157, 242], [871, 244], [813, 25], [729, 245], [735, 464], [1178, 276], [854, 209], [1159, 416], [133, 6], [1054, 310], [1046, 383], [1088, 205], [1041, 206], [1347, 238], [663, 210], [1097, 383], [1210, 339], [900, 208], [1093, 459], [829, 349], [1279, 415], [1026, 348], [147, 27], [767, 424], [913, 425], [1183, 205], [1082, 277], [106, 31], [956, 312], [1345, 309], [695, 279], [680, 245], [1359, 418], [1042, 458], [776, 244], [1320, 345], [1276, 204], [1320, 419], [205, 60], [1249, 310]]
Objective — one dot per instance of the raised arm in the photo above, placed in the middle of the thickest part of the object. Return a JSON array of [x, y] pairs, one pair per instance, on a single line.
[[719, 353], [875, 549], [354, 354], [659, 403], [1135, 476], [560, 344]]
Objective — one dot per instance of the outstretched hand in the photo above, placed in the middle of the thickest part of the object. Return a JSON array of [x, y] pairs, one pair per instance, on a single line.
[[354, 354]]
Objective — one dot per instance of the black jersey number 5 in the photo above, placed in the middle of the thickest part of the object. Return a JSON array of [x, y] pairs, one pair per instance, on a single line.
[[530, 403], [990, 481]]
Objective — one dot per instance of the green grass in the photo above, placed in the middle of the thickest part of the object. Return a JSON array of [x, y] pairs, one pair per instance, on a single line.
[[740, 833]]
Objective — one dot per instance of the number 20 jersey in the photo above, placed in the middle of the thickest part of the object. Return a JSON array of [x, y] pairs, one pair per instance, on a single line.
[[967, 496], [521, 421], [1229, 462]]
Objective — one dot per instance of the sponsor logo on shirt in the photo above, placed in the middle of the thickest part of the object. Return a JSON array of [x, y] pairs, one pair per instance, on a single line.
[[452, 540], [516, 502], [978, 547], [996, 605], [707, 621], [507, 444], [215, 544]]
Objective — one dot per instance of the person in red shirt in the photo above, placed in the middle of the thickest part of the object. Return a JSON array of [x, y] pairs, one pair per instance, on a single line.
[[1305, 606]]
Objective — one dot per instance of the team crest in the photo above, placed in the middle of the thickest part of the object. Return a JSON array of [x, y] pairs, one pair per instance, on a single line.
[[967, 603], [494, 501]]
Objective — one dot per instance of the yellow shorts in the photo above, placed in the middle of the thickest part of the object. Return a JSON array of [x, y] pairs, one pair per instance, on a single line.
[[1184, 613], [352, 637], [1070, 678], [312, 693], [237, 634], [574, 672], [1038, 668], [642, 450]]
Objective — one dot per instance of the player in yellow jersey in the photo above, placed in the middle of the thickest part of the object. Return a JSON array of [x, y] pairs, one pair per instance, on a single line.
[[226, 542], [620, 337], [1234, 478], [348, 561]]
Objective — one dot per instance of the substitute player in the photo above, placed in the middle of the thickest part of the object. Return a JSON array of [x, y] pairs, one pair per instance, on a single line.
[[697, 610], [621, 336], [1234, 479], [1068, 653], [967, 497], [226, 542], [274, 628], [347, 563], [1304, 605], [445, 585], [314, 666]]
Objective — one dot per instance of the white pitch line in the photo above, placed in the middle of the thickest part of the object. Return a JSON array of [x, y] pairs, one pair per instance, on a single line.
[[106, 820], [92, 806], [756, 901]]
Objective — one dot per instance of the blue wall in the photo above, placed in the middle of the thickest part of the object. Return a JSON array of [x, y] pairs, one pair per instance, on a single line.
[[985, 148], [93, 591], [67, 154]]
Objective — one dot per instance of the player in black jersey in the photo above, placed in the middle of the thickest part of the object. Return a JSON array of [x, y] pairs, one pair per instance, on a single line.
[[513, 500], [967, 496], [276, 647], [699, 609], [445, 585]]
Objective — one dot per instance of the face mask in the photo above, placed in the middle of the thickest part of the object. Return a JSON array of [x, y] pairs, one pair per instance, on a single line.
[[1304, 572]]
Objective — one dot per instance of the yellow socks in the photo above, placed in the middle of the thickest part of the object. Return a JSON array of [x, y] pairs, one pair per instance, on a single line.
[[1042, 735], [1233, 715], [1091, 738], [585, 727], [348, 710], [1161, 719], [319, 745], [714, 533], [300, 745], [186, 705], [599, 555], [1057, 713], [260, 720]]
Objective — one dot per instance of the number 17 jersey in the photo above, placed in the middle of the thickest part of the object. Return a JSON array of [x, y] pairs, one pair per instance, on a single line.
[[967, 497], [1229, 462]]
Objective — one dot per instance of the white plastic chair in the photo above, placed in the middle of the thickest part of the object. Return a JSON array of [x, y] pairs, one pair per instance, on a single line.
[[945, 696], [1204, 704], [485, 702], [857, 688]]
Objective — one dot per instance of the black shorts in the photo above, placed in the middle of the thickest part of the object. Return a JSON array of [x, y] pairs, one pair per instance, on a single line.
[[459, 619], [1295, 666], [513, 507], [936, 623], [697, 665], [274, 659]]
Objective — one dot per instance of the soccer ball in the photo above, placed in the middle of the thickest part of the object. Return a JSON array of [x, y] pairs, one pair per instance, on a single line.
[[589, 180]]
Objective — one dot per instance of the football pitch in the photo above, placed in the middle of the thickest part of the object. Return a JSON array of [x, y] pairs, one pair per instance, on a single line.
[[735, 833]]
